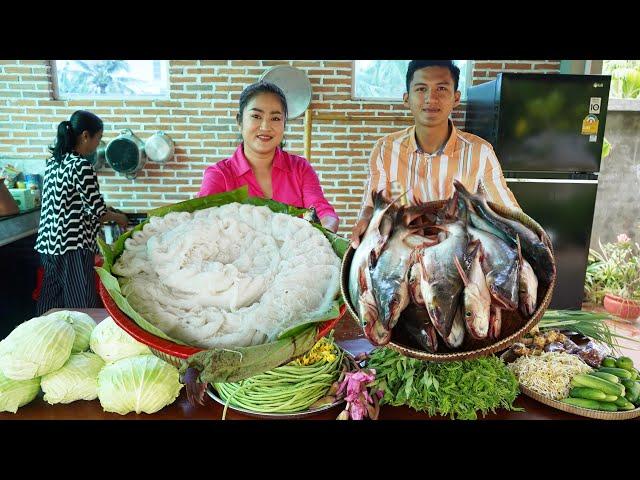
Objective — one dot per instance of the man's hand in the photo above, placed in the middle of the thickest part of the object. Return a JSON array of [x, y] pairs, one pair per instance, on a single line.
[[360, 227]]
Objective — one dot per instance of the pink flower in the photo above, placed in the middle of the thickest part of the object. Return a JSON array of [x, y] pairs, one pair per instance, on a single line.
[[623, 238], [360, 404]]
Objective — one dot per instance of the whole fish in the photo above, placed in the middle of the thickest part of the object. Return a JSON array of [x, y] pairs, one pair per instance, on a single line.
[[499, 263], [534, 249], [476, 296], [528, 289], [390, 280], [440, 283], [375, 236], [500, 266]]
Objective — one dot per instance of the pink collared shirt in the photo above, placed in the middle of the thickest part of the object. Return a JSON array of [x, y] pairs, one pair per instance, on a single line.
[[293, 179]]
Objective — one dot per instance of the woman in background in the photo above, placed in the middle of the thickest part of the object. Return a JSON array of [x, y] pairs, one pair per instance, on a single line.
[[72, 210], [260, 163]]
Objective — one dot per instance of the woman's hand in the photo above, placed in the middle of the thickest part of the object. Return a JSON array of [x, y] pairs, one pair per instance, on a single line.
[[117, 217], [330, 223]]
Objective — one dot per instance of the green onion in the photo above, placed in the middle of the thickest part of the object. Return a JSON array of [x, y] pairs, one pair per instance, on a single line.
[[589, 324]]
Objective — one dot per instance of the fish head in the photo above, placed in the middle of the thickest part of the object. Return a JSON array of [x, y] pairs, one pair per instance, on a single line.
[[528, 289], [476, 309], [392, 297], [503, 298]]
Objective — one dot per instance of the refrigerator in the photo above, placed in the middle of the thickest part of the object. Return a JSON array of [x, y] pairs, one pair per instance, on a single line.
[[547, 131]]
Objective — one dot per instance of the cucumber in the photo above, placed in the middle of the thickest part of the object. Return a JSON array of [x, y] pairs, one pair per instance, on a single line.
[[591, 404], [609, 362], [606, 376], [590, 381], [582, 402], [635, 374], [608, 406], [588, 393], [618, 372], [624, 404], [624, 362], [633, 390], [611, 398]]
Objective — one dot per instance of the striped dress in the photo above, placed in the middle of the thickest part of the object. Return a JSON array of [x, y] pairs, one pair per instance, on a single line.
[[397, 164], [71, 207]]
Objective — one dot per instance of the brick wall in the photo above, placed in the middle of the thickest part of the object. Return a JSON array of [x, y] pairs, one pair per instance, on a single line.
[[200, 117]]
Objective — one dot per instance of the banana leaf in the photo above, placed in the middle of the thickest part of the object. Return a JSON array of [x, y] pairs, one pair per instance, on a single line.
[[235, 364], [218, 364]]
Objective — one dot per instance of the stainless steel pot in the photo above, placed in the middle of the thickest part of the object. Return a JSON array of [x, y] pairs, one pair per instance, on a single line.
[[125, 154], [97, 158], [159, 147]]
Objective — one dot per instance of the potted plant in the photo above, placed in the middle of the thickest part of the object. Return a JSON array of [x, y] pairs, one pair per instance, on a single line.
[[613, 277]]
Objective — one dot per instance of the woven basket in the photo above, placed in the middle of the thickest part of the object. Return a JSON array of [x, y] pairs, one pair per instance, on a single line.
[[583, 412], [513, 325]]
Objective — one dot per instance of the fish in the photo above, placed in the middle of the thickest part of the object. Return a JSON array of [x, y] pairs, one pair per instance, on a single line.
[[528, 287], [499, 263], [476, 296], [536, 252], [456, 337], [495, 322], [375, 236], [416, 324], [389, 273], [414, 285], [440, 282], [367, 306]]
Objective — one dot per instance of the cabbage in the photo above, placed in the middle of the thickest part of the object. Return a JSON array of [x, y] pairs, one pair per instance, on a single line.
[[36, 347], [83, 325], [138, 384], [76, 380], [16, 393], [112, 343]]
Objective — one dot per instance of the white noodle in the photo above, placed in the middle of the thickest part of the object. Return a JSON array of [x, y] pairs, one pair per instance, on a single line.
[[234, 275]]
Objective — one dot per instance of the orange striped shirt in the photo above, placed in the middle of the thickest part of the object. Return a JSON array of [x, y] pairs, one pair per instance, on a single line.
[[465, 157]]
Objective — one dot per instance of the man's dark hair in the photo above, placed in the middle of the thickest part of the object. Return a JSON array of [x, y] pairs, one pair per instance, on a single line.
[[418, 64]]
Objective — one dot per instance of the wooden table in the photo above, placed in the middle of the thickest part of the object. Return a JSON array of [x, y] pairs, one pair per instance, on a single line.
[[348, 334]]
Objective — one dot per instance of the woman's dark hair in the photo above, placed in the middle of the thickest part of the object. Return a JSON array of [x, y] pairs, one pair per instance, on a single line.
[[69, 130], [257, 88], [418, 64]]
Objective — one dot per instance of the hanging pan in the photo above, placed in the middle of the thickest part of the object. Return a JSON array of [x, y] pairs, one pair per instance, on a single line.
[[295, 85]]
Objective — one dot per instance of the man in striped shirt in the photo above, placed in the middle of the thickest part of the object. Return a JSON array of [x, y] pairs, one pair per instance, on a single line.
[[427, 157]]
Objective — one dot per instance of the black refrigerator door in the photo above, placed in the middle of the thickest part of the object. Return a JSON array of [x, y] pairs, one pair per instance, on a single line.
[[564, 208], [541, 118]]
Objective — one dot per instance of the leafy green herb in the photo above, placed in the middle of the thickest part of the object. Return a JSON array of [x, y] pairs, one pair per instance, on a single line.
[[456, 389]]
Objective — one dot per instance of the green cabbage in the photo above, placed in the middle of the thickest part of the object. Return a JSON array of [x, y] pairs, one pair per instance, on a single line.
[[112, 343], [138, 384], [83, 325], [36, 347], [76, 380], [16, 393]]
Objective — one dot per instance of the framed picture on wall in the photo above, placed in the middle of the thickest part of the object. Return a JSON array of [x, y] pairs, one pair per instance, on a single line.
[[110, 79]]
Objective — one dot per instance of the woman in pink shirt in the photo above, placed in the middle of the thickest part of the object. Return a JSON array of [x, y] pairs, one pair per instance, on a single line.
[[262, 165]]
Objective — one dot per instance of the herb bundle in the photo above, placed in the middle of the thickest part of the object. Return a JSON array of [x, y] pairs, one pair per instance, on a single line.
[[456, 389]]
